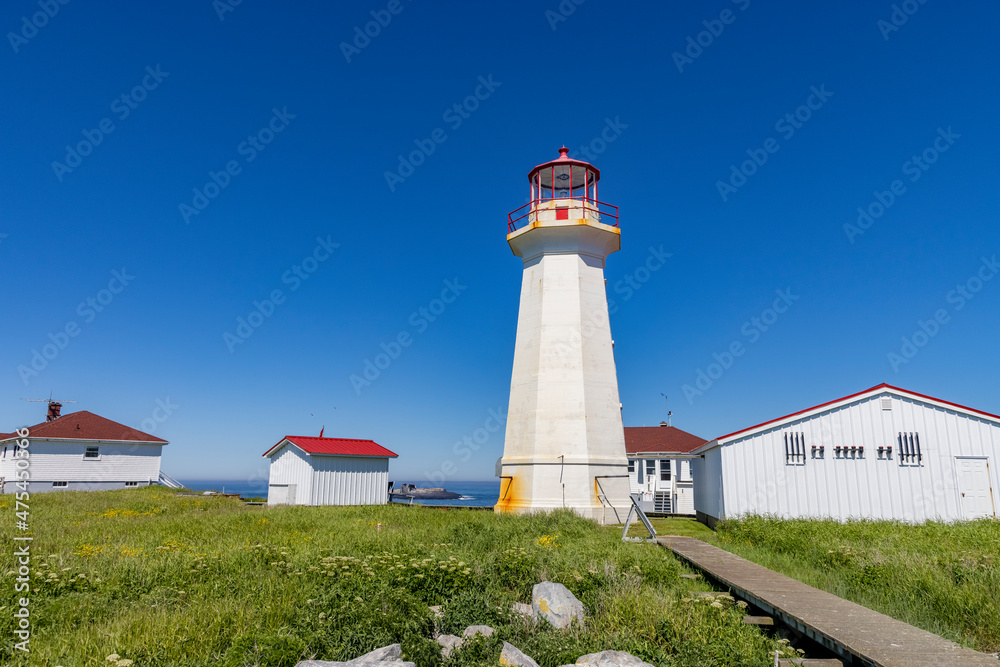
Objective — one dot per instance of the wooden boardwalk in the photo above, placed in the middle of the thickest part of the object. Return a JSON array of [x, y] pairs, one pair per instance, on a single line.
[[858, 634]]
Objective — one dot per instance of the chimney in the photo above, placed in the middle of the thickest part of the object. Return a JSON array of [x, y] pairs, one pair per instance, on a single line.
[[53, 413], [663, 423]]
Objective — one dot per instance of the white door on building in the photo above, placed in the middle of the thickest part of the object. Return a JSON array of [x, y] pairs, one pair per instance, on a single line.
[[281, 494], [974, 487]]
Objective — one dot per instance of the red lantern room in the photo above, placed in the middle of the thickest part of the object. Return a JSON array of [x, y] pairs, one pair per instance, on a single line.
[[563, 189]]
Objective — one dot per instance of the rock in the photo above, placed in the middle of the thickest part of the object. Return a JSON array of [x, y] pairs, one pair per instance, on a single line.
[[556, 604], [436, 611], [474, 630], [448, 644], [511, 655], [387, 656], [525, 610], [611, 659]]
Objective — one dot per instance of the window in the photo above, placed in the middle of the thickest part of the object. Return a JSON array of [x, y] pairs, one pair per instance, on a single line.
[[92, 453], [60, 485], [795, 449], [664, 470], [639, 472], [909, 449], [631, 466], [131, 483], [651, 468]]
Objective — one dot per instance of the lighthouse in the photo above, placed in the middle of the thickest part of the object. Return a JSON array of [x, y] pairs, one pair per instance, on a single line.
[[565, 445]]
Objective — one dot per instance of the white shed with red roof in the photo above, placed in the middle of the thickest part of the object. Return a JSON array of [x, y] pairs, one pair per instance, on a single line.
[[884, 453], [80, 451], [328, 471]]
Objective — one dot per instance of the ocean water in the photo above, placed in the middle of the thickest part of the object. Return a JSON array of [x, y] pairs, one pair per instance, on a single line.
[[474, 494]]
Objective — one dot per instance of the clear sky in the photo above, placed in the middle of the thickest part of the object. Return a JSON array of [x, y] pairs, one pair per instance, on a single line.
[[165, 165]]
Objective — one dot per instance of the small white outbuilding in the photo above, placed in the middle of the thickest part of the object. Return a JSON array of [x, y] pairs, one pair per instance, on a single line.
[[328, 471], [884, 453], [659, 467]]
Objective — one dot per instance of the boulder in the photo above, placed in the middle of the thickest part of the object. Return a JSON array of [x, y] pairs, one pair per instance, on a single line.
[[611, 659], [556, 604], [511, 655], [448, 644], [525, 610], [387, 656], [474, 630]]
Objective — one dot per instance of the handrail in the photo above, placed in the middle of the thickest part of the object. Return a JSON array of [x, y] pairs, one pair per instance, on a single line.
[[609, 210]]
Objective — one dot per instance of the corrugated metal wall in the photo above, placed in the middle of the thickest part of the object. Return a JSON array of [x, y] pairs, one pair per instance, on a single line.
[[758, 479], [291, 466], [341, 480]]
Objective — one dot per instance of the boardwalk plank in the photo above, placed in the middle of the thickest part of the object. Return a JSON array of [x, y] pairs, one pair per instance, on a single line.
[[855, 632]]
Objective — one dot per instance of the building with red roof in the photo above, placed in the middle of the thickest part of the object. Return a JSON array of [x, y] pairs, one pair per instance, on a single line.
[[883, 453], [659, 467], [78, 451], [328, 471]]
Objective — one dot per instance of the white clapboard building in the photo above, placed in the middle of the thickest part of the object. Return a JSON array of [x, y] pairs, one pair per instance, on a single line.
[[885, 453], [80, 451], [328, 471], [659, 467]]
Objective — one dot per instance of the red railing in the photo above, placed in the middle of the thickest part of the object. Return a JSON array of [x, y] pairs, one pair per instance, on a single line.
[[602, 209]]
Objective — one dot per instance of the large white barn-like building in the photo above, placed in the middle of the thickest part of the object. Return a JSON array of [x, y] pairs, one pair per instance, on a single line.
[[80, 451], [885, 453], [328, 471], [659, 467]]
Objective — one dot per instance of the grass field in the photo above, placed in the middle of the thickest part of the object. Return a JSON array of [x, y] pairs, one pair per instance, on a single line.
[[156, 578], [944, 578]]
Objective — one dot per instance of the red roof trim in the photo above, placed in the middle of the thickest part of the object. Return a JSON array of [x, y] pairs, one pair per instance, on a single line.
[[860, 393]]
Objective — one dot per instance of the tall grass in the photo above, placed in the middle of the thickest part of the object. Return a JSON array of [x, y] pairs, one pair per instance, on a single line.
[[160, 578], [944, 578]]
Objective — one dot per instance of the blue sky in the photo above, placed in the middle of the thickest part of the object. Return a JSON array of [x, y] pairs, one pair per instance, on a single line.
[[250, 155]]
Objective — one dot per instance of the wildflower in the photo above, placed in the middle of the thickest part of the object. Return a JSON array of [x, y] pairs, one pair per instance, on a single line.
[[113, 657], [717, 604]]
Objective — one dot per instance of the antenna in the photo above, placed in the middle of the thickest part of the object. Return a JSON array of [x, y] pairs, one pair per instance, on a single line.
[[669, 413], [54, 406]]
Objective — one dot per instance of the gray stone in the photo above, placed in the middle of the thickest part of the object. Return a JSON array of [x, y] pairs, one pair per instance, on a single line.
[[387, 656], [556, 604], [436, 611], [448, 644], [474, 630], [511, 655], [611, 659], [525, 610]]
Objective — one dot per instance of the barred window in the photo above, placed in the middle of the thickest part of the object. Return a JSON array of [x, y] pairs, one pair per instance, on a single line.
[[795, 449]]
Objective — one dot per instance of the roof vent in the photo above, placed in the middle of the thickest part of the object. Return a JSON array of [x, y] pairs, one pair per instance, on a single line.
[[887, 403], [663, 423]]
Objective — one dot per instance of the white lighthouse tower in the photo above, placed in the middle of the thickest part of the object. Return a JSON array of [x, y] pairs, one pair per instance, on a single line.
[[565, 445]]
